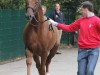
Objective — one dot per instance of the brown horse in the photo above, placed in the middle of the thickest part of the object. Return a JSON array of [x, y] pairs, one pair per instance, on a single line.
[[41, 40]]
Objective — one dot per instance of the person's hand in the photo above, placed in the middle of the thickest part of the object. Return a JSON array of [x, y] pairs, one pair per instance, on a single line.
[[50, 21]]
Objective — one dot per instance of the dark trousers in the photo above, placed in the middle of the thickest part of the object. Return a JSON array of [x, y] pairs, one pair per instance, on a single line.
[[70, 38], [87, 60]]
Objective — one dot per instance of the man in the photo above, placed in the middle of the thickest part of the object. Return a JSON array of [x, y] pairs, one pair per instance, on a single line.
[[88, 39], [58, 16]]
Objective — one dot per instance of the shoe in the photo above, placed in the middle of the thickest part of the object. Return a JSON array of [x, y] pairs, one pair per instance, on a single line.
[[71, 46], [68, 46], [58, 53]]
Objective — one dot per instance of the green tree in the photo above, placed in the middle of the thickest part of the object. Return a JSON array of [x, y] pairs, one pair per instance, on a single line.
[[12, 4], [70, 7], [67, 5], [97, 7]]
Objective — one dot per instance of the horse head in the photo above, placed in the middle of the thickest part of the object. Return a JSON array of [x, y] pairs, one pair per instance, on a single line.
[[32, 7]]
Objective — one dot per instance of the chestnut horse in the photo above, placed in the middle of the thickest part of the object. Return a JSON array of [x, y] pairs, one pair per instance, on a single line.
[[41, 40]]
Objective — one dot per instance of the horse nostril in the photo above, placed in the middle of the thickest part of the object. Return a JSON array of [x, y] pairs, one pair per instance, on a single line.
[[30, 17], [27, 16]]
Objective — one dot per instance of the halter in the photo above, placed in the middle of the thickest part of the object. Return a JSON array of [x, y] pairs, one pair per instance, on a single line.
[[37, 4], [35, 10]]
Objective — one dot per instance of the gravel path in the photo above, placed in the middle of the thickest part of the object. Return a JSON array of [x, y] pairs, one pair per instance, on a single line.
[[62, 64]]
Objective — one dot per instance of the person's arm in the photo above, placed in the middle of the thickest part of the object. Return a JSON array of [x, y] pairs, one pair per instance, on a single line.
[[98, 24], [69, 28]]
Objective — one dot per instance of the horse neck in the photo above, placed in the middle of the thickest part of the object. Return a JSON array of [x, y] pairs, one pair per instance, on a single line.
[[40, 14], [40, 18], [42, 27]]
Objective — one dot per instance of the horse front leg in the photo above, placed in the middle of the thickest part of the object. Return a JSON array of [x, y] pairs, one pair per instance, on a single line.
[[50, 56], [29, 56], [43, 62], [37, 61]]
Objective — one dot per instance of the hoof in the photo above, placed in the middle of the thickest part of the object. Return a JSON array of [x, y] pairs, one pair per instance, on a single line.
[[47, 73]]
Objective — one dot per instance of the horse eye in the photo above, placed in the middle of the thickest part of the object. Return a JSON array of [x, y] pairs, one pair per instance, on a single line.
[[36, 3]]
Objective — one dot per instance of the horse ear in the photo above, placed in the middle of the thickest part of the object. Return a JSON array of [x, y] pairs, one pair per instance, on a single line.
[[43, 1], [39, 0]]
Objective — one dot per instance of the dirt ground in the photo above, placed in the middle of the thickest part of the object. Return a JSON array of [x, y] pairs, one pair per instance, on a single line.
[[62, 64]]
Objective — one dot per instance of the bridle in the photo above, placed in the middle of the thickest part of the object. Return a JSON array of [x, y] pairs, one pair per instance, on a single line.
[[35, 10]]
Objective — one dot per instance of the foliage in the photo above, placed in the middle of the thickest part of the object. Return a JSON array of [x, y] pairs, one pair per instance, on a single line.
[[72, 5], [97, 7], [12, 4], [67, 5]]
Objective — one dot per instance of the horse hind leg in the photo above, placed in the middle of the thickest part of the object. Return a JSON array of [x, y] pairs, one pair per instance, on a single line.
[[37, 61], [29, 56], [51, 55]]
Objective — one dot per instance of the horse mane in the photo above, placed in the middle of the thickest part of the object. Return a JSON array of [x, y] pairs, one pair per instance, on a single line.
[[40, 13]]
